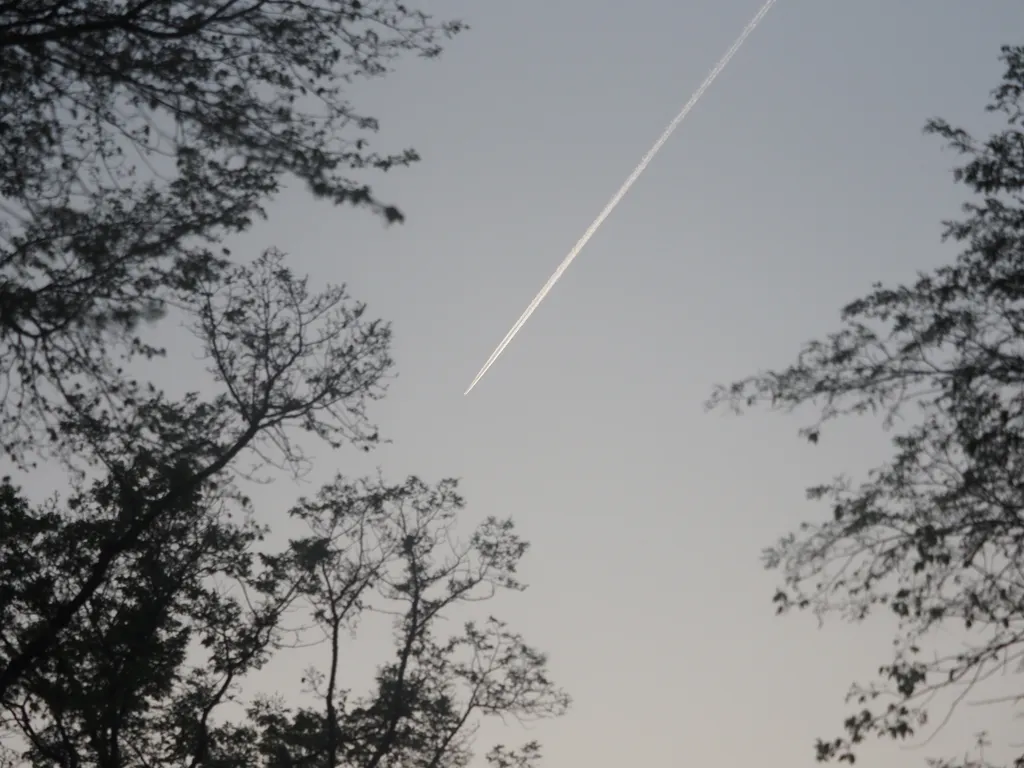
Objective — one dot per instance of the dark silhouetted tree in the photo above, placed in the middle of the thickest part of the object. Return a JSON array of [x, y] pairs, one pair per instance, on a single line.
[[149, 664], [282, 360], [135, 135], [137, 605], [935, 535]]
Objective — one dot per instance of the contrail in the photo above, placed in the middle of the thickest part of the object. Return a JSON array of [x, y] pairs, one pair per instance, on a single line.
[[623, 190]]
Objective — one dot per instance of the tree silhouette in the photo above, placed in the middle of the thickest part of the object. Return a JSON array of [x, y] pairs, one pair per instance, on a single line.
[[284, 360], [134, 136], [934, 535], [145, 666]]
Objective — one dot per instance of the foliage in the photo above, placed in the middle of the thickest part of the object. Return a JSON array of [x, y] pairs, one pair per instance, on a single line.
[[936, 534], [192, 610], [134, 136], [284, 359], [137, 608]]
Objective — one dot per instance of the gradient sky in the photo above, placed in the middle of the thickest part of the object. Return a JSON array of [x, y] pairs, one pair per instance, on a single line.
[[799, 179]]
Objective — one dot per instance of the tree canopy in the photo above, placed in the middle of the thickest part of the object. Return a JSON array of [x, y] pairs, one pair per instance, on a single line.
[[135, 135], [935, 534], [144, 669], [138, 606]]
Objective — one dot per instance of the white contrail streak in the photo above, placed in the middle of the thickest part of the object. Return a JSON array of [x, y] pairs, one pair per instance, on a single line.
[[722, 63]]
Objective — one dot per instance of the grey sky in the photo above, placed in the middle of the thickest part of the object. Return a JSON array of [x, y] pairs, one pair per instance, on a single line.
[[799, 179]]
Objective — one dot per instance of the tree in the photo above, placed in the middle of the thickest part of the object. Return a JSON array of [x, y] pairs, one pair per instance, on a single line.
[[135, 608], [192, 610], [132, 610], [284, 359], [936, 533], [135, 135]]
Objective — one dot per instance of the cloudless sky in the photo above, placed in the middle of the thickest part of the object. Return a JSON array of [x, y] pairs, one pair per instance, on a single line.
[[799, 179]]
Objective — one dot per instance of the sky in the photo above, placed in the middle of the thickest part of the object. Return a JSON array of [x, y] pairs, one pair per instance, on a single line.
[[799, 179]]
